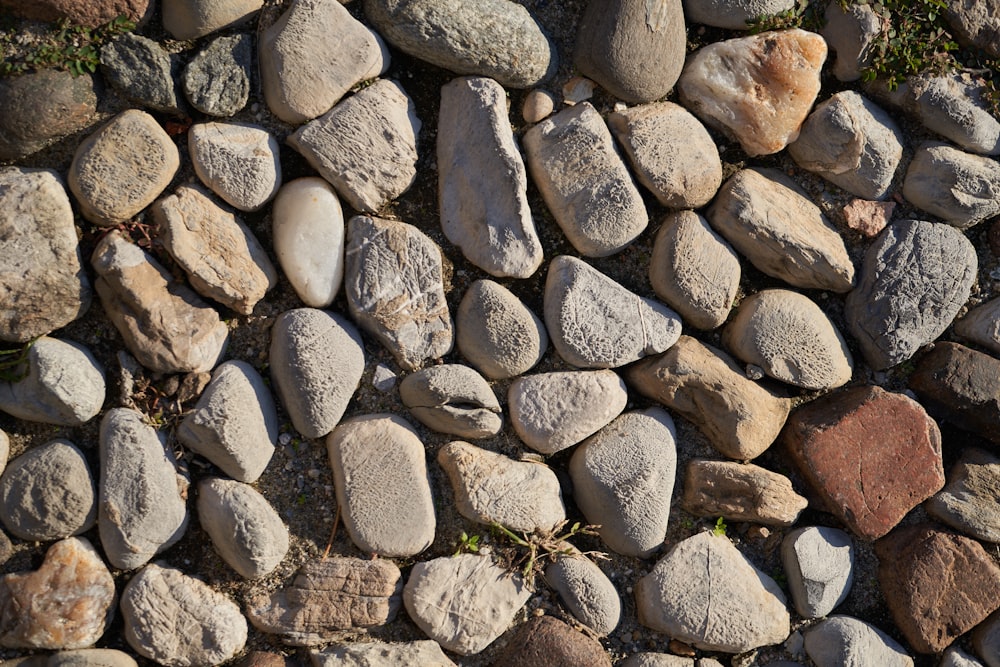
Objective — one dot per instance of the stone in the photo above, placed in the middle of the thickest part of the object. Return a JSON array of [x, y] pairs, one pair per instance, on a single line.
[[773, 223], [839, 640], [122, 167], [308, 230], [48, 493], [937, 585], [393, 279], [986, 641], [787, 335], [495, 38], [387, 509], [586, 591], [871, 455], [757, 89], [594, 322], [216, 81], [91, 657], [4, 450], [142, 71], [141, 506], [244, 528], [851, 32], [703, 384], [645, 659], [237, 161], [623, 479], [452, 399], [38, 108], [960, 188], [868, 218], [546, 640], [969, 501], [706, 593], [317, 358], [64, 385], [740, 492], [538, 105], [554, 411], [191, 19], [976, 24], [164, 323], [577, 89], [367, 173], [178, 620], [422, 653], [482, 181], [463, 602], [981, 326], [956, 657], [584, 182], [819, 564], [67, 603], [733, 14], [384, 378], [92, 13], [523, 496], [496, 333], [633, 49], [914, 279], [671, 152], [41, 271]]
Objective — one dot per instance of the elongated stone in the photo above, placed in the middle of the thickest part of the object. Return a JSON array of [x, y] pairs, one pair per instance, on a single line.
[[245, 530], [740, 492]]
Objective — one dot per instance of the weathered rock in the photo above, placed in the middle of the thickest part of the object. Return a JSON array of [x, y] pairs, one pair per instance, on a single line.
[[868, 217], [970, 502], [851, 32], [482, 182], [914, 279], [586, 591], [704, 385], [819, 564], [423, 653], [89, 13], [546, 640], [191, 19], [982, 325], [217, 79], [40, 107], [645, 659], [976, 23], [237, 161], [585, 184], [986, 641], [740, 492], [497, 333], [4, 450], [733, 14], [840, 640], [961, 188], [91, 657], [244, 528], [956, 657], [538, 105], [757, 89], [452, 399], [142, 71]]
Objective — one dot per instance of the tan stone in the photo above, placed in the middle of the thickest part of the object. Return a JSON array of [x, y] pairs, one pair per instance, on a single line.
[[740, 492]]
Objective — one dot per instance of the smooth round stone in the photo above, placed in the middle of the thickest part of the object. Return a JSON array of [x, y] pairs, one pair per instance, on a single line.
[[836, 640], [586, 591], [538, 105], [237, 161], [497, 333], [453, 399], [191, 19]]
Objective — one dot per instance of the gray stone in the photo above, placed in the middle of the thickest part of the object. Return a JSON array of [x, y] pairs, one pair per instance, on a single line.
[[452, 399], [191, 19], [586, 591], [422, 653], [961, 188], [585, 184], [740, 492], [217, 80], [915, 278], [538, 105], [237, 161], [851, 32], [819, 564], [4, 450], [482, 182], [142, 71], [91, 657], [659, 660], [976, 23], [40, 107], [596, 323], [986, 641], [733, 14], [982, 325], [840, 640], [956, 657], [969, 501]]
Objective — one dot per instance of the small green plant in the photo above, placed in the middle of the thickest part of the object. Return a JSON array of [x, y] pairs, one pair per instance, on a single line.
[[541, 547], [14, 363], [467, 544], [720, 527], [69, 47], [914, 38], [802, 15]]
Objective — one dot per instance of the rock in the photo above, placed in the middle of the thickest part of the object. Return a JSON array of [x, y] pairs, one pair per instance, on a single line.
[[121, 168], [645, 659], [452, 399], [819, 563], [956, 657], [982, 326], [40, 107], [497, 333], [733, 14], [837, 640], [937, 585], [191, 19], [585, 184], [383, 378], [141, 70], [237, 161], [791, 339], [4, 450], [494, 38], [64, 385], [538, 105], [633, 49], [706, 593], [577, 89], [91, 657], [851, 33], [868, 217], [89, 13], [312, 56], [546, 640], [41, 271], [217, 79], [739, 417], [553, 411], [968, 502], [178, 620], [482, 182], [773, 223], [976, 24], [770, 82], [871, 455], [986, 641], [245, 530], [369, 173], [423, 653], [586, 591], [141, 507], [317, 358], [219, 254], [596, 323], [308, 230], [395, 290], [623, 479], [165, 325], [66, 603], [47, 493], [914, 279], [463, 602], [387, 509], [671, 153], [960, 188], [740, 492]]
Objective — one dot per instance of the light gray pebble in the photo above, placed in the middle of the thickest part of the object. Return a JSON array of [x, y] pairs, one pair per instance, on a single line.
[[452, 399], [657, 660], [4, 449], [850, 32], [836, 641], [217, 80], [586, 591], [497, 333], [968, 502], [237, 161], [91, 657], [538, 105], [191, 19], [819, 564]]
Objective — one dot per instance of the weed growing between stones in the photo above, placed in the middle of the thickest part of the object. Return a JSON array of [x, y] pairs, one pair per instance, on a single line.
[[720, 527], [914, 39], [13, 362], [540, 548], [69, 47], [467, 544]]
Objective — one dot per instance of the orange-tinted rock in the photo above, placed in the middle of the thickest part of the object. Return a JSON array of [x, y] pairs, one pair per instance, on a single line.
[[548, 641], [868, 217]]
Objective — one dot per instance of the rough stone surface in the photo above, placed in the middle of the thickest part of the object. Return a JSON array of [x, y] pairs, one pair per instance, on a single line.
[[961, 188], [191, 19], [142, 71], [842, 640], [982, 326], [586, 591], [237, 161], [452, 399], [970, 501], [986, 641], [740, 492], [40, 107], [976, 23], [546, 640], [244, 528], [91, 13], [217, 80], [851, 33], [819, 564], [868, 217], [646, 659], [422, 653], [732, 14], [91, 657]]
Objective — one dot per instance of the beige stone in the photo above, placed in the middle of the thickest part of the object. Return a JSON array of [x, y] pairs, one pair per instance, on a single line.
[[740, 492]]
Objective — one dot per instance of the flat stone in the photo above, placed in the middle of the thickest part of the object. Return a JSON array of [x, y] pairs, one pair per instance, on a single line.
[[422, 653], [143, 72], [91, 657], [647, 659], [740, 492], [871, 455], [89, 13], [982, 325], [960, 188], [538, 105], [819, 564], [969, 501], [586, 591], [546, 640], [191, 19], [976, 24], [733, 14], [40, 107], [244, 528], [836, 640], [482, 181], [868, 217], [851, 33], [217, 79], [237, 161], [452, 399]]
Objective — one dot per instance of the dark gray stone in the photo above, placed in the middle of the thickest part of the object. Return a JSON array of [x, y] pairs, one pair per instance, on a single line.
[[217, 80], [143, 71], [40, 107], [732, 14]]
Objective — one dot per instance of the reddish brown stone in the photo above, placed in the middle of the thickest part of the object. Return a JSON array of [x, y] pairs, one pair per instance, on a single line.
[[937, 585], [871, 455], [868, 217], [545, 640], [90, 13]]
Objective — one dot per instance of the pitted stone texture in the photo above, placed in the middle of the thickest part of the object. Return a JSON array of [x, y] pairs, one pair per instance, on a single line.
[[452, 399], [733, 14], [40, 107], [982, 325], [482, 181], [773, 223], [914, 279], [596, 323], [851, 33], [422, 653], [497, 333], [704, 385], [704, 592], [217, 80], [871, 455], [545, 640], [868, 217], [393, 279], [91, 657], [584, 182], [976, 23], [143, 72], [970, 501], [740, 492], [245, 530], [586, 591], [366, 146], [191, 19], [842, 640], [41, 271], [237, 161], [819, 563], [89, 13], [960, 188], [757, 89]]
